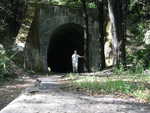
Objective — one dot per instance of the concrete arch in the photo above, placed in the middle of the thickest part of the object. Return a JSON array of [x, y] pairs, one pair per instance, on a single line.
[[63, 41], [51, 20], [48, 23]]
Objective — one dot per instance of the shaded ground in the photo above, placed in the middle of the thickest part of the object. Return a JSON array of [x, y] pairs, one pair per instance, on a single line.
[[47, 96], [12, 88]]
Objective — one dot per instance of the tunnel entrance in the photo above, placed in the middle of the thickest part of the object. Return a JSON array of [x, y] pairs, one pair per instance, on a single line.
[[64, 40]]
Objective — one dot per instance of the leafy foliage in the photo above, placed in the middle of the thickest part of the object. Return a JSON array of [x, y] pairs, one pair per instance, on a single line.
[[12, 12], [5, 63], [138, 24], [6, 14], [73, 3]]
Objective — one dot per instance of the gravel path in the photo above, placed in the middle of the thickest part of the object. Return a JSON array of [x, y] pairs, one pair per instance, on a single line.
[[48, 97]]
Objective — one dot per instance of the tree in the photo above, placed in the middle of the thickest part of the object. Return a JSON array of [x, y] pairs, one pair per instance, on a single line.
[[86, 34], [115, 8], [100, 8]]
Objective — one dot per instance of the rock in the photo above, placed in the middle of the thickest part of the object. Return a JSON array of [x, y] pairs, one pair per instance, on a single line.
[[146, 72], [147, 37], [1, 46]]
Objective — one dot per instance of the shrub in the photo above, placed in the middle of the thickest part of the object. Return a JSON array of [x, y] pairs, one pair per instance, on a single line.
[[5, 62]]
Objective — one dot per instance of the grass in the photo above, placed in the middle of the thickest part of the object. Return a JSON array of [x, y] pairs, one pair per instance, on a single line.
[[136, 86]]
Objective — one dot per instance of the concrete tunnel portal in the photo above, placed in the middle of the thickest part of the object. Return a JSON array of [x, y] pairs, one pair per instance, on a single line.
[[63, 41]]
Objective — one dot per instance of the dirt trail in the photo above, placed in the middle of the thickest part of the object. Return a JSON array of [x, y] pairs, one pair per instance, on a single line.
[[48, 97], [12, 89]]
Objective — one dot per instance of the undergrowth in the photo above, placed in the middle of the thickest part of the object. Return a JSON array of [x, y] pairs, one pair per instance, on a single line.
[[136, 86], [6, 64]]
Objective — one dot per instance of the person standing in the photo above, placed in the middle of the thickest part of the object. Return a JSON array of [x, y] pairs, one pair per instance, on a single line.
[[75, 59]]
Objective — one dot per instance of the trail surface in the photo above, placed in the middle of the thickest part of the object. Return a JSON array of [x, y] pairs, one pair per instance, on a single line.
[[9, 90], [48, 97]]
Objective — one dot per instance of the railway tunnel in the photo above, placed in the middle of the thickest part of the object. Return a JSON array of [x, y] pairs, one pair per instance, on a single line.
[[63, 41]]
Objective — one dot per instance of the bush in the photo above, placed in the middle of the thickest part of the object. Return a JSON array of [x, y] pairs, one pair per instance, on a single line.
[[139, 60], [5, 62]]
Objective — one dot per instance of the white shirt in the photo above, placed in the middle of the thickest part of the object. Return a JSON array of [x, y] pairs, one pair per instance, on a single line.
[[75, 58]]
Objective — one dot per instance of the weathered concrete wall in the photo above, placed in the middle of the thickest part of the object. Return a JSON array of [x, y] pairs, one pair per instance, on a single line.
[[47, 19]]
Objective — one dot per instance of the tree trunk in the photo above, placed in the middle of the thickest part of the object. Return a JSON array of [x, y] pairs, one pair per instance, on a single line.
[[86, 35], [100, 8], [118, 41], [124, 16]]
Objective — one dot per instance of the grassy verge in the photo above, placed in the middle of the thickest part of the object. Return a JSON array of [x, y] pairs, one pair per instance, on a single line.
[[136, 86]]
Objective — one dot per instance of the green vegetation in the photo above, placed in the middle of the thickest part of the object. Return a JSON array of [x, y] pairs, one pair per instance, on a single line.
[[5, 63], [136, 86], [138, 24]]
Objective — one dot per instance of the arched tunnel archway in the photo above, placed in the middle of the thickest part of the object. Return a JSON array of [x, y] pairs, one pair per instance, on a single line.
[[64, 40]]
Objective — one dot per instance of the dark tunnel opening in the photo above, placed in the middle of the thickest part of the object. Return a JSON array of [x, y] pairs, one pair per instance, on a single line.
[[63, 42]]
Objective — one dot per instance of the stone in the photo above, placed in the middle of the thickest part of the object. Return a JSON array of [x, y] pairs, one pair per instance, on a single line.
[[146, 72], [1, 46], [147, 37]]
